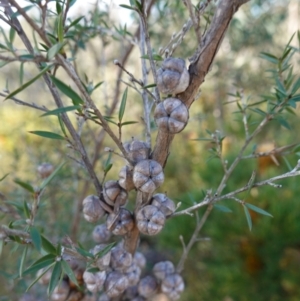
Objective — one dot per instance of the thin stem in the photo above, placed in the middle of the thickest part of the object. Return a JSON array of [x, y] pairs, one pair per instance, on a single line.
[[144, 93], [230, 195], [149, 52], [193, 239], [23, 103]]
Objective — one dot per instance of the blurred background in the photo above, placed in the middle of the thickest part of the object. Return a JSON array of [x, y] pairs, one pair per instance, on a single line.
[[229, 263]]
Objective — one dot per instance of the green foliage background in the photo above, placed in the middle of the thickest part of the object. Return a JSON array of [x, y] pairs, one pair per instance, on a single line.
[[229, 262]]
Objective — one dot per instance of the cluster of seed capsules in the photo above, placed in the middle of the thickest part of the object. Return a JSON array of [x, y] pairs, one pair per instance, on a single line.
[[119, 274]]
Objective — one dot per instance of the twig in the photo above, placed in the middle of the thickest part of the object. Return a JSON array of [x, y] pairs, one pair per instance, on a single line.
[[149, 52], [23, 103], [231, 195], [53, 90], [193, 239], [196, 24], [144, 93]]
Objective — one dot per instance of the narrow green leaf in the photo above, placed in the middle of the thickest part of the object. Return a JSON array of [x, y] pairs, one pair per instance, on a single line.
[[40, 263], [280, 86], [67, 91], [248, 217], [10, 95], [60, 28], [58, 8], [61, 110], [128, 122], [69, 272], [105, 250], [84, 253], [155, 57], [53, 174], [284, 123], [4, 177], [15, 204], [36, 238], [26, 209], [108, 168], [223, 208], [48, 246], [127, 6], [93, 270], [269, 57], [54, 50], [259, 111], [73, 23], [288, 164], [24, 185], [39, 277], [12, 34], [149, 86], [295, 98], [23, 258], [55, 277], [296, 86], [49, 135], [258, 210], [123, 105], [62, 125]]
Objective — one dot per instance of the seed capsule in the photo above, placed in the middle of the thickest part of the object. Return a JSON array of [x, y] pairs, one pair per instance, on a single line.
[[101, 234], [120, 223], [115, 284], [172, 77], [163, 203], [113, 193], [150, 220], [148, 286], [137, 150], [162, 269], [92, 210], [171, 115], [94, 281], [148, 175], [173, 286]]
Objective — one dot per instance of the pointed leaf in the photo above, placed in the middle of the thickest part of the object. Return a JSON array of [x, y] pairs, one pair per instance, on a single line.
[[123, 105], [258, 210], [62, 125], [24, 185], [48, 246], [12, 34], [36, 238], [61, 110], [149, 86], [127, 6], [52, 175], [84, 253], [49, 135], [69, 272], [128, 122], [39, 277], [26, 209], [296, 98], [54, 50], [23, 258], [60, 28], [248, 217], [67, 91], [10, 95], [223, 208], [40, 263], [296, 86], [105, 250], [269, 57], [55, 277]]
